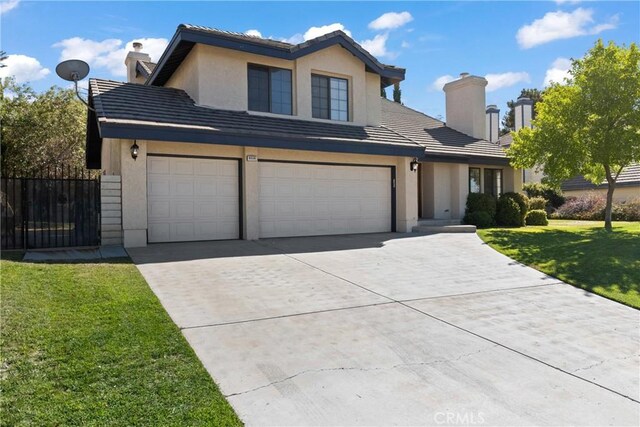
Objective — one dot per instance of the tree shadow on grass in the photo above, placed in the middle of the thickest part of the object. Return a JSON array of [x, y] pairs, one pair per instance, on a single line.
[[587, 258]]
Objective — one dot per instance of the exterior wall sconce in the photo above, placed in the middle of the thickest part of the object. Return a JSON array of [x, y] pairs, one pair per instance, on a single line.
[[134, 150], [413, 166]]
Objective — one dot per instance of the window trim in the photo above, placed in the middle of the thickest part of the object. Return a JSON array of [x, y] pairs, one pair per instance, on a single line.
[[269, 69], [329, 77]]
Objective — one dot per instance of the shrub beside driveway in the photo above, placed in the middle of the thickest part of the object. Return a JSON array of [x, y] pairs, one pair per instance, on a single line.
[[89, 344], [581, 253]]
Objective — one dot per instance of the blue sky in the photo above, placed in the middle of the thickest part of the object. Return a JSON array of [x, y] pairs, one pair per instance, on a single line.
[[514, 44]]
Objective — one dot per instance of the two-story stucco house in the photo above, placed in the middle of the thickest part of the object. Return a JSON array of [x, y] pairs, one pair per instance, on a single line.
[[231, 136]]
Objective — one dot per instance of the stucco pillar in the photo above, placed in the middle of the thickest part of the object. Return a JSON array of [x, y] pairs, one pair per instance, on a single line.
[[406, 196], [250, 194], [134, 194], [459, 189], [512, 180]]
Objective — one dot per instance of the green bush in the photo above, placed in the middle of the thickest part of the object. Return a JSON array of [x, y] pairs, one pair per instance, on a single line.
[[554, 197], [537, 217], [627, 211], [480, 219], [508, 213], [479, 202], [522, 201], [538, 203]]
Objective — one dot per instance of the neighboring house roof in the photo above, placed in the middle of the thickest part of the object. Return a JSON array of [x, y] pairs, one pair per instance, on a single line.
[[187, 36], [505, 140], [440, 142], [145, 68], [134, 111], [629, 177]]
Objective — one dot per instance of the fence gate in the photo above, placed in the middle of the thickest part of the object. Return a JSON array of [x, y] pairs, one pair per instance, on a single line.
[[57, 208]]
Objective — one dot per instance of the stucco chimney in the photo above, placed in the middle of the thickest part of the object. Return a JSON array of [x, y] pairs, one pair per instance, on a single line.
[[492, 123], [465, 105], [130, 61], [523, 112]]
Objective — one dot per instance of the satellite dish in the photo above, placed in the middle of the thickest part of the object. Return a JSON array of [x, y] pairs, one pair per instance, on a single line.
[[72, 70]]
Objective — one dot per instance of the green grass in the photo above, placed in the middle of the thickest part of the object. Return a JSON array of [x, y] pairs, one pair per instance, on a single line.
[[581, 253], [90, 344]]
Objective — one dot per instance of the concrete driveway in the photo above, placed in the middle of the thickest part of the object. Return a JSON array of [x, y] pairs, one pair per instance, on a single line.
[[392, 329]]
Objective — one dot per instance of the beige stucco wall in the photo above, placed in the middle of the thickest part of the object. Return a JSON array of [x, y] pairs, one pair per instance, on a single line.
[[620, 194], [445, 187], [465, 105], [217, 77], [134, 176]]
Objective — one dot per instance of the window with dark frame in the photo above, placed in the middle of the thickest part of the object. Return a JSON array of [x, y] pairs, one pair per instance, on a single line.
[[493, 182], [270, 89], [329, 98], [474, 180]]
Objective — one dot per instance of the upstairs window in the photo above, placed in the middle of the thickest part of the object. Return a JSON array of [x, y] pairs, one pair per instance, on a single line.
[[270, 89], [329, 98]]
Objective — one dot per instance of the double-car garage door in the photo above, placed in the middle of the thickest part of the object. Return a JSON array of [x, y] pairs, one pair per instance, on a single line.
[[199, 199]]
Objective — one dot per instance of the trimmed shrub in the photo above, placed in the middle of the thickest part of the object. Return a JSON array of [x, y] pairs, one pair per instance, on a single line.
[[479, 202], [628, 211], [508, 213], [522, 201], [588, 207], [537, 217], [554, 197], [480, 219], [538, 203]]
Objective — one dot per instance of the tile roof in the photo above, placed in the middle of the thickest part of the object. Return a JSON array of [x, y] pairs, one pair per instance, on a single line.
[[134, 104], [505, 140], [629, 177], [240, 36], [433, 134]]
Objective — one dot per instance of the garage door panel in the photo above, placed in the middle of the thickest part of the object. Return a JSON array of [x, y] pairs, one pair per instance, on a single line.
[[192, 199], [323, 199]]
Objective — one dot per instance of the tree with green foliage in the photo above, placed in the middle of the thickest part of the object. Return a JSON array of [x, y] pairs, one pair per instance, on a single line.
[[3, 57], [40, 130], [397, 93], [509, 119], [589, 126], [383, 92]]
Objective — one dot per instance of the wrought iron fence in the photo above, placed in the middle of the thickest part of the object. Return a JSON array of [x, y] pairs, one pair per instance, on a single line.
[[58, 207]]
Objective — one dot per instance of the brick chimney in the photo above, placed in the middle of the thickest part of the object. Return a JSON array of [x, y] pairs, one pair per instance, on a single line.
[[131, 60], [492, 123], [465, 105], [523, 112]]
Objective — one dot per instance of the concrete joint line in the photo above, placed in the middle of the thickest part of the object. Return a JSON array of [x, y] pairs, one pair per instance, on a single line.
[[355, 368], [603, 361], [517, 288], [284, 316], [456, 326]]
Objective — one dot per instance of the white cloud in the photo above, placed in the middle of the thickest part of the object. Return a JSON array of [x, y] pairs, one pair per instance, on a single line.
[[561, 25], [405, 45], [109, 53], [558, 72], [390, 20], [439, 83], [560, 2], [377, 46], [314, 32], [294, 39], [502, 80], [23, 68], [253, 33], [8, 5]]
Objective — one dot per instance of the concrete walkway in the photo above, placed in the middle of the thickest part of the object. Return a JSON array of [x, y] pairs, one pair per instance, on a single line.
[[392, 329]]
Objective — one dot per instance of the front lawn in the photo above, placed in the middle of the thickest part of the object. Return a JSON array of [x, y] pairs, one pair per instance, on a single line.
[[581, 253], [90, 344]]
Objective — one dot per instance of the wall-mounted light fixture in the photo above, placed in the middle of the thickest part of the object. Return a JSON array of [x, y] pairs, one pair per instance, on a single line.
[[413, 166], [134, 150]]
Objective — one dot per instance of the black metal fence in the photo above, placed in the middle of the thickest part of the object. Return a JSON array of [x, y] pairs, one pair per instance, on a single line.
[[59, 207]]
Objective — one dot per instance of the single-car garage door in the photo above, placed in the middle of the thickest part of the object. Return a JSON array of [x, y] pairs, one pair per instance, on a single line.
[[192, 199], [298, 199]]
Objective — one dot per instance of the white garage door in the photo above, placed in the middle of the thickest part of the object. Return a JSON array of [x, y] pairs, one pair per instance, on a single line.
[[307, 199], [192, 199]]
